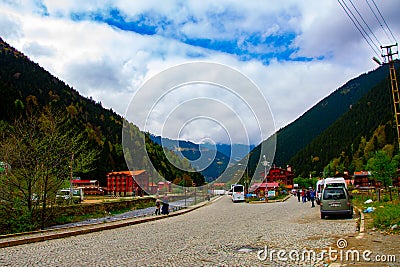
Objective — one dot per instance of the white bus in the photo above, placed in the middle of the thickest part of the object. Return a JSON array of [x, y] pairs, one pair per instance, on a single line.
[[237, 193]]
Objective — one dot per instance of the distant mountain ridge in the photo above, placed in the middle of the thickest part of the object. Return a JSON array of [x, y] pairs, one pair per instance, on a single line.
[[217, 157], [334, 125]]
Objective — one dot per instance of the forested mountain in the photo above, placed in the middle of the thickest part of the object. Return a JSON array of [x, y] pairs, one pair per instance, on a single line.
[[25, 84], [341, 130], [366, 127], [295, 136], [355, 117]]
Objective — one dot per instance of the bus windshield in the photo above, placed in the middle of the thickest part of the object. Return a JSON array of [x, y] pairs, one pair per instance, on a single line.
[[238, 188]]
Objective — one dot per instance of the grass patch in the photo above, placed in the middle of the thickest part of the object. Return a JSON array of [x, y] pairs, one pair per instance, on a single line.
[[278, 197], [77, 218], [386, 213], [64, 219], [386, 216]]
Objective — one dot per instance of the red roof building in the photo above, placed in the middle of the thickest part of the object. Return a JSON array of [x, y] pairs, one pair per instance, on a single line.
[[260, 188], [275, 178], [127, 183], [164, 187], [280, 176], [363, 179], [90, 187]]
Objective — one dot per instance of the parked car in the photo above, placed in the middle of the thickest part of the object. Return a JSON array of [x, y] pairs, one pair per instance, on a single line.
[[336, 201], [74, 194]]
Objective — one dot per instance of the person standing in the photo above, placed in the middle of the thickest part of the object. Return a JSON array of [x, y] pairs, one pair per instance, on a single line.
[[158, 207], [298, 195], [165, 205], [308, 194], [303, 195], [312, 197]]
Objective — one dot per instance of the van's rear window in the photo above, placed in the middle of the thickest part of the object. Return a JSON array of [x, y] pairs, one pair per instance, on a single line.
[[334, 193]]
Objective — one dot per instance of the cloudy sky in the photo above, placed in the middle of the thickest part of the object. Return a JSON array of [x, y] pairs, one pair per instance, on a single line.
[[296, 52]]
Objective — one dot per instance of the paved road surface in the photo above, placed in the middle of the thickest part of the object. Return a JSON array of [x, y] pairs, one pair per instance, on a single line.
[[221, 234]]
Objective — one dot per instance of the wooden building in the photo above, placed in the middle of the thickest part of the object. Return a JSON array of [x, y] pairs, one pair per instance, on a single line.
[[164, 187], [261, 188], [362, 179], [276, 177], [280, 176], [90, 187]]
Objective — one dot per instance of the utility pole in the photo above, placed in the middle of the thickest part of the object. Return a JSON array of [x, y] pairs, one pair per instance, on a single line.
[[70, 178], [393, 82]]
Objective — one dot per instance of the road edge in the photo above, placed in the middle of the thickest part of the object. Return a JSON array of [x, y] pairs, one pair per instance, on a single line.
[[27, 238]]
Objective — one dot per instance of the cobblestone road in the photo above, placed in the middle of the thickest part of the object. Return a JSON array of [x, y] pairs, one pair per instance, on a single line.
[[221, 234]]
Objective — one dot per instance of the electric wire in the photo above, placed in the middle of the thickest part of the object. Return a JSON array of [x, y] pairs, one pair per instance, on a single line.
[[387, 26], [344, 6], [366, 24]]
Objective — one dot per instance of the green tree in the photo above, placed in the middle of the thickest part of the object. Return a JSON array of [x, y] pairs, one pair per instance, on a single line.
[[43, 150], [305, 182], [382, 168]]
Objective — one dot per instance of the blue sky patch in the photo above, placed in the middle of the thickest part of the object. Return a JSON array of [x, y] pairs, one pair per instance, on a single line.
[[244, 45]]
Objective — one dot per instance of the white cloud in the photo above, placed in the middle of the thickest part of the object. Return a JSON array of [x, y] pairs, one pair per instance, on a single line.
[[110, 64]]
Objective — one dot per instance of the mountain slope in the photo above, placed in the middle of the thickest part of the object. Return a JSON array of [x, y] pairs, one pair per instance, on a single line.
[[24, 83], [343, 137], [295, 136], [217, 157], [299, 144]]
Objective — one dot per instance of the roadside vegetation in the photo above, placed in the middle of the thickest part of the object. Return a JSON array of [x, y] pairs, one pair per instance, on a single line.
[[49, 134], [41, 149], [106, 207], [381, 209]]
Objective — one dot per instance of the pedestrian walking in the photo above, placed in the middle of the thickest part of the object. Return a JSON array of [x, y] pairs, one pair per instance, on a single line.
[[298, 195], [312, 197], [303, 195], [165, 205], [308, 194], [158, 207], [165, 208]]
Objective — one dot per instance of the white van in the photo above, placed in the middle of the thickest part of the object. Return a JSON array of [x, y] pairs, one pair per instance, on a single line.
[[64, 195], [319, 187], [328, 182], [335, 182]]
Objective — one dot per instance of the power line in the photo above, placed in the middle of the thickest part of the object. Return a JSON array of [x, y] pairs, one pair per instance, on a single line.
[[394, 39], [366, 24], [354, 20]]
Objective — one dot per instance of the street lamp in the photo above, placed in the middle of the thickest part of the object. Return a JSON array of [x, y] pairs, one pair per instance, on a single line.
[[265, 163], [247, 180]]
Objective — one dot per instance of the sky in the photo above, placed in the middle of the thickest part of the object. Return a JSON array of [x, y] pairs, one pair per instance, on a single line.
[[294, 52]]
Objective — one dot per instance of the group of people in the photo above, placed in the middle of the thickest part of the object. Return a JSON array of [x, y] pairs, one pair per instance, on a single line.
[[306, 195], [162, 207]]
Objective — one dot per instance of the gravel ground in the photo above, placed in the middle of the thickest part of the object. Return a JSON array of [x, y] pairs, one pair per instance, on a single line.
[[221, 234]]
